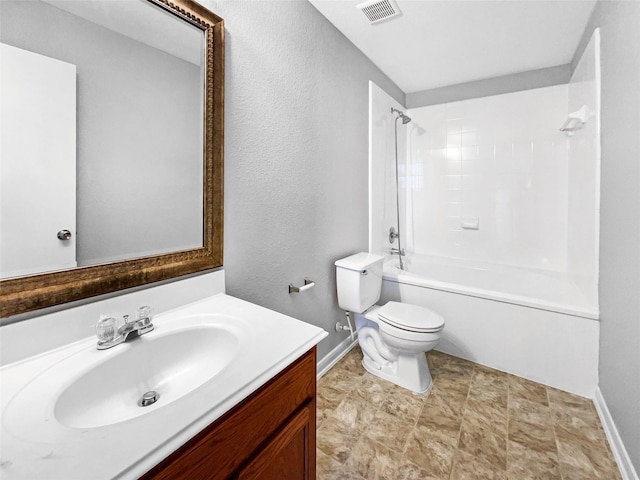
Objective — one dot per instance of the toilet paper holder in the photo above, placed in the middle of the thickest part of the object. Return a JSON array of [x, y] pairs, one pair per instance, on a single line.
[[307, 285]]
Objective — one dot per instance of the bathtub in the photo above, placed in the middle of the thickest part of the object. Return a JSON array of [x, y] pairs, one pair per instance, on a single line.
[[537, 324]]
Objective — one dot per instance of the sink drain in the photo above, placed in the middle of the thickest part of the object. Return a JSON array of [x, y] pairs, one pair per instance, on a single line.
[[148, 398]]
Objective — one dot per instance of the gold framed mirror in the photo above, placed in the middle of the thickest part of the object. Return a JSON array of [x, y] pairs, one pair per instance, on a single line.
[[27, 293]]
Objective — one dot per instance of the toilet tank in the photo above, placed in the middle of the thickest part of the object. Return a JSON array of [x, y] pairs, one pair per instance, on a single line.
[[359, 280]]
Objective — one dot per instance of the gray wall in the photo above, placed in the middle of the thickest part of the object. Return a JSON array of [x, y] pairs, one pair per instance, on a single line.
[[544, 77], [139, 148], [296, 154], [619, 24]]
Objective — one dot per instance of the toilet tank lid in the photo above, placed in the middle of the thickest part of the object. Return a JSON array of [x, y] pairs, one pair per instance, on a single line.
[[411, 317], [359, 261]]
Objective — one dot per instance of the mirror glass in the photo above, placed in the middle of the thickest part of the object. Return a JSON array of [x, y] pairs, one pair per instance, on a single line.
[[102, 133]]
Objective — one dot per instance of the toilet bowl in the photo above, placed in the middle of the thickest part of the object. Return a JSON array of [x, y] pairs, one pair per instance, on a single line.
[[398, 354], [393, 337]]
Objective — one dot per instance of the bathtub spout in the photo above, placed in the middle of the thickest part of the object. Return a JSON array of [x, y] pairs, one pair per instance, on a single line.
[[373, 347], [400, 253]]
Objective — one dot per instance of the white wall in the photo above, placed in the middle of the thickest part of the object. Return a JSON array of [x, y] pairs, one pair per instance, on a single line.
[[619, 289], [296, 156], [500, 160]]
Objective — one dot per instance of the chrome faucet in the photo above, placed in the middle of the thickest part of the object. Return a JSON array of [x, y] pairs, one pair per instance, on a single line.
[[400, 253], [109, 337]]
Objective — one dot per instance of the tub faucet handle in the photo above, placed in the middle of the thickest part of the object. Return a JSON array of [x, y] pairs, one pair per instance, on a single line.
[[399, 252], [393, 234]]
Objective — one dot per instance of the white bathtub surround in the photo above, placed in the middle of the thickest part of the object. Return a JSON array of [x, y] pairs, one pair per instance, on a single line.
[[500, 220], [493, 179], [498, 320], [500, 161], [36, 444], [583, 193], [542, 289], [487, 131]]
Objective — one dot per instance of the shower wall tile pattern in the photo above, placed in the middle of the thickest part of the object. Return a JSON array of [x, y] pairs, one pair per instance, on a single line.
[[500, 160], [476, 424]]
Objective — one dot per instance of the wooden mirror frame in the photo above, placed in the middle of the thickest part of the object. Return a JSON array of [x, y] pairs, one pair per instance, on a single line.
[[25, 294]]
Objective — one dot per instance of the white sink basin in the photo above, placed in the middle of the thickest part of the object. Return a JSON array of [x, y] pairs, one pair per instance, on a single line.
[[172, 365], [72, 412], [98, 388]]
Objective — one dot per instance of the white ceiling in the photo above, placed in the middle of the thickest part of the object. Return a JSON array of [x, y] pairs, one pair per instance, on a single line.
[[438, 43]]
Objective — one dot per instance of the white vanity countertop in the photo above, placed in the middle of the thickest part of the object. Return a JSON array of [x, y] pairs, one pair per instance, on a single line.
[[45, 449]]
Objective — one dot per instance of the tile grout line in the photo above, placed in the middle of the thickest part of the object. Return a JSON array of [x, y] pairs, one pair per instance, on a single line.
[[406, 440], [462, 414], [555, 437], [403, 458], [377, 409], [511, 391]]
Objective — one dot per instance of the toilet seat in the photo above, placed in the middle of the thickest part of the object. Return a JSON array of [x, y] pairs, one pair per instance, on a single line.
[[412, 318]]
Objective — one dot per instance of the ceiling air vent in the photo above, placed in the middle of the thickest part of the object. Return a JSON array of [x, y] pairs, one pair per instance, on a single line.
[[379, 10]]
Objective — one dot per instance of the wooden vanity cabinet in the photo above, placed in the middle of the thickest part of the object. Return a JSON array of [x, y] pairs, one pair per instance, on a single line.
[[271, 435]]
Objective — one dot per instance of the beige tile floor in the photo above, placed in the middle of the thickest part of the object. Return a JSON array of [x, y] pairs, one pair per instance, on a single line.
[[477, 423]]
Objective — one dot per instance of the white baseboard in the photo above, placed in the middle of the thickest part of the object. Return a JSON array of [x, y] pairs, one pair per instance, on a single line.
[[617, 447], [334, 356]]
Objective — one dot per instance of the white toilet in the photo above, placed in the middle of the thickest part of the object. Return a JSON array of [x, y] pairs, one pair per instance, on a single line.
[[393, 337]]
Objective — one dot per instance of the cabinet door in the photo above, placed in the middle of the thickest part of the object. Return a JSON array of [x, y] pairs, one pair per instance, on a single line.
[[271, 434], [290, 455]]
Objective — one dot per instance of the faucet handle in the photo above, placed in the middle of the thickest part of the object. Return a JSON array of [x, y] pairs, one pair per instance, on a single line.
[[143, 319], [144, 313], [106, 329]]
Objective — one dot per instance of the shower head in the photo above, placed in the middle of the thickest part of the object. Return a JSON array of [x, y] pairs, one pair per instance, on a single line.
[[405, 119]]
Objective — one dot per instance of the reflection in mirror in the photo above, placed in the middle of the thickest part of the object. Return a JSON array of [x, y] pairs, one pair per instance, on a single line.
[[102, 133], [117, 111]]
